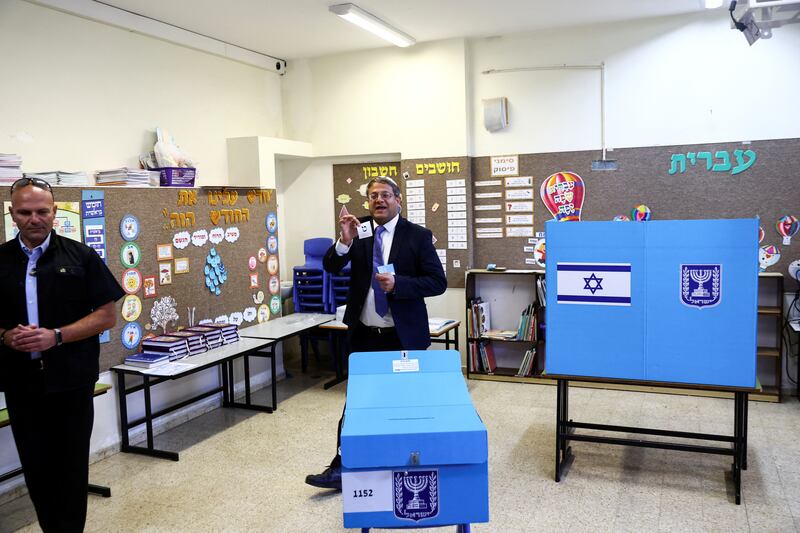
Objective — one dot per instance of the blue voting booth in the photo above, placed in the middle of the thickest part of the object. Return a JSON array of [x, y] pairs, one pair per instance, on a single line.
[[414, 450], [672, 301]]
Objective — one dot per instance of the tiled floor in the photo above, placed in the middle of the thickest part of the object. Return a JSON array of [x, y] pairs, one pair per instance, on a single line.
[[241, 471]]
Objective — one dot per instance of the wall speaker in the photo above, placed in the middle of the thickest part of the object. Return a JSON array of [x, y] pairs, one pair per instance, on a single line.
[[495, 113]]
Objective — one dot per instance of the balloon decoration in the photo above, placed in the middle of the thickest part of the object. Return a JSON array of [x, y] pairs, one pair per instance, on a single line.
[[640, 213], [760, 234], [787, 226], [767, 256], [562, 194], [622, 218]]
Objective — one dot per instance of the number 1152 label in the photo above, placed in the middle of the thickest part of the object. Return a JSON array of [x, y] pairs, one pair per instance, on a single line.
[[367, 492]]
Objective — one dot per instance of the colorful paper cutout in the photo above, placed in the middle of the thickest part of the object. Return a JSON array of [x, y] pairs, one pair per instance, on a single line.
[[232, 234], [767, 256], [129, 227], [562, 194], [275, 305], [181, 265], [263, 313], [165, 273], [131, 307], [181, 240], [131, 335], [274, 285], [272, 244], [216, 235], [760, 234], [130, 255], [131, 281], [164, 312], [200, 237], [272, 222], [249, 314], [215, 272], [343, 198], [272, 265], [262, 255], [787, 227], [236, 318], [252, 263], [640, 213], [164, 252], [539, 252], [254, 280], [622, 218], [150, 289]]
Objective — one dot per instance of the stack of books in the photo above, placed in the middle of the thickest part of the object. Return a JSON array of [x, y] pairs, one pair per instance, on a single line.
[[10, 168], [170, 345], [230, 332], [212, 336], [147, 360], [50, 177], [126, 177], [194, 339], [482, 357], [73, 179]]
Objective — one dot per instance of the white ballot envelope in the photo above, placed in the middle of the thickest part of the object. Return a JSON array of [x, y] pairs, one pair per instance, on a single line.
[[365, 230]]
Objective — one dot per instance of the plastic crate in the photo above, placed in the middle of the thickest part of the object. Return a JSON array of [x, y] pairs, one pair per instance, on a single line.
[[176, 176]]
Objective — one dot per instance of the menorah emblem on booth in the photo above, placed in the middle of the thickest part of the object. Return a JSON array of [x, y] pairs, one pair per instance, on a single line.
[[416, 484], [701, 285], [416, 494]]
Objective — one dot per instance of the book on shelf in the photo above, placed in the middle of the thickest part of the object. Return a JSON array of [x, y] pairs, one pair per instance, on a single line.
[[482, 358], [541, 290], [147, 360], [526, 367], [479, 319], [526, 330], [501, 334]]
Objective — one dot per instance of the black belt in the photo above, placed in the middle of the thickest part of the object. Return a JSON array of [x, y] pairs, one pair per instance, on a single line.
[[379, 330]]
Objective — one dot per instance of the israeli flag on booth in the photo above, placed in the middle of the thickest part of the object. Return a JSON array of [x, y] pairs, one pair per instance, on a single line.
[[593, 283]]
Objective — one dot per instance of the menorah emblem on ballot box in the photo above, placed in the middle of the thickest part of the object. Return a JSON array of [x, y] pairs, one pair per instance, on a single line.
[[694, 292]]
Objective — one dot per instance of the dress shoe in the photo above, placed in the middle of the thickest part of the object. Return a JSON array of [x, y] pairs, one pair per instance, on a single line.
[[330, 478]]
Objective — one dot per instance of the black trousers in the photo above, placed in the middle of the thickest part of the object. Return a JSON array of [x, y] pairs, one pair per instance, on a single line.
[[366, 339], [52, 433]]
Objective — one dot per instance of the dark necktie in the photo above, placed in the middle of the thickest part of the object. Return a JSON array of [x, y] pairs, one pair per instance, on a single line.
[[381, 303]]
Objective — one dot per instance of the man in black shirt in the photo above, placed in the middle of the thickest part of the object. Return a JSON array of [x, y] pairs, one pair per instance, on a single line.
[[57, 296]]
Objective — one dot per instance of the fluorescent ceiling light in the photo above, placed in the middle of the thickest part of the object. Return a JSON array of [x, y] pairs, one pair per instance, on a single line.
[[371, 23], [713, 4]]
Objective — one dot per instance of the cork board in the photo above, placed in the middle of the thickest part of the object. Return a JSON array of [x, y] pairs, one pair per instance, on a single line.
[[350, 186], [176, 218], [437, 194], [766, 188]]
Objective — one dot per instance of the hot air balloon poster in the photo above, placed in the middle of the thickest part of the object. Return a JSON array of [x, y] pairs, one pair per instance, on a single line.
[[787, 227], [562, 194]]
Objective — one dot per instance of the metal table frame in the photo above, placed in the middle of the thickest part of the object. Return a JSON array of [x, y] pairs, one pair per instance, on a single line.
[[226, 369], [566, 431]]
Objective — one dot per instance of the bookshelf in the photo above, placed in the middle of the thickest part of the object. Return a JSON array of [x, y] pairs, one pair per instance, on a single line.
[[770, 337], [508, 292]]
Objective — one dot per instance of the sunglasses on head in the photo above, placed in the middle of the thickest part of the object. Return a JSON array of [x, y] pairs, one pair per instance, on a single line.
[[36, 182]]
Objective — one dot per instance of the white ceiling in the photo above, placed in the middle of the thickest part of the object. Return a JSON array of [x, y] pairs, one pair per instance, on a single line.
[[292, 29]]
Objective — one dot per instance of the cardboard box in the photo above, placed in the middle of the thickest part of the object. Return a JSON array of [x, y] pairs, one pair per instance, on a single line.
[[414, 450]]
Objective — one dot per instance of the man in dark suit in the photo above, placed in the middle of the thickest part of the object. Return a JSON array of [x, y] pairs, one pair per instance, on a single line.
[[57, 296], [385, 310]]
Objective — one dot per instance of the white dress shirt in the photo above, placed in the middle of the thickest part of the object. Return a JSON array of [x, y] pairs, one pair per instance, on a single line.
[[31, 285], [369, 316]]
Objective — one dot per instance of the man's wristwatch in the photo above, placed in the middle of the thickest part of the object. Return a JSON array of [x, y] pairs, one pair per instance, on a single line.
[[59, 339]]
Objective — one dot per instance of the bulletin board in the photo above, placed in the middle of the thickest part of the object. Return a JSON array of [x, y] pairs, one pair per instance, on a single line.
[[350, 186], [181, 226], [437, 194], [706, 181]]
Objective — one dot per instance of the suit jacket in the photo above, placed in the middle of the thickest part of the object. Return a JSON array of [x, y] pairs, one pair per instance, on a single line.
[[418, 274]]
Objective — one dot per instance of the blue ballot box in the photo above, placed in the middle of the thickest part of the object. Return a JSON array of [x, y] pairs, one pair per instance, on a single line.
[[672, 301], [414, 450]]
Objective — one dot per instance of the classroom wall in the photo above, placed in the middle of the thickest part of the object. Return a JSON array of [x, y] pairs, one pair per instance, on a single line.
[[671, 80], [409, 100], [80, 95]]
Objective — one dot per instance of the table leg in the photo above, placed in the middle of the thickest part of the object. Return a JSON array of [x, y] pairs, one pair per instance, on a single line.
[[737, 446], [745, 409], [247, 380], [226, 399], [122, 396], [559, 384], [148, 412], [456, 338], [274, 379], [337, 345]]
